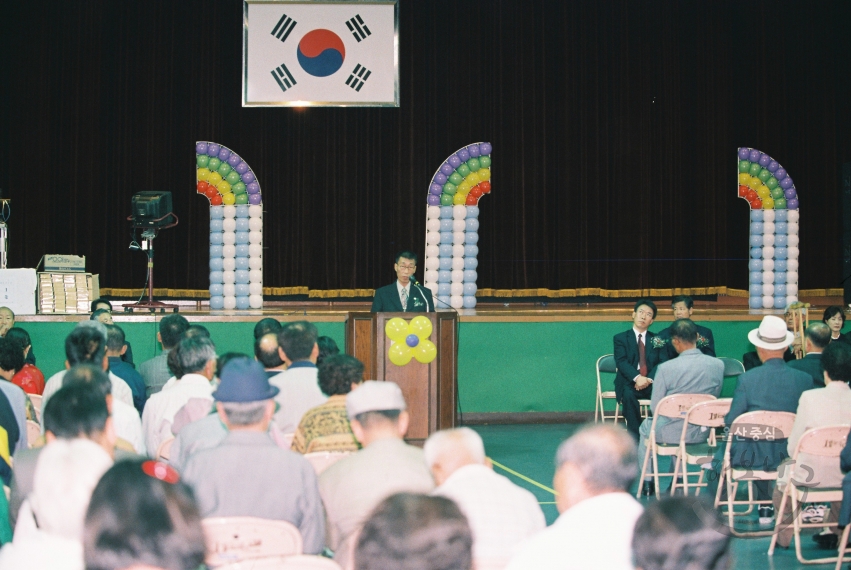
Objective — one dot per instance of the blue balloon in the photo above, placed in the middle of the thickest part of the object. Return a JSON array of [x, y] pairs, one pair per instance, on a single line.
[[757, 228], [471, 250], [242, 225], [756, 276], [757, 215], [216, 251], [242, 290], [470, 276], [242, 276], [780, 216], [756, 252], [242, 303], [217, 303], [781, 240], [443, 302], [216, 277], [470, 289], [469, 302], [216, 289], [755, 265], [780, 302], [780, 288], [472, 225], [781, 228], [780, 265], [242, 238], [216, 263], [470, 263], [446, 263], [755, 302], [446, 225], [412, 340], [471, 238], [780, 253], [444, 276], [446, 212], [445, 250], [242, 211], [242, 263], [756, 240], [217, 238], [779, 277], [444, 289], [755, 290], [446, 237], [472, 211], [217, 212], [216, 225]]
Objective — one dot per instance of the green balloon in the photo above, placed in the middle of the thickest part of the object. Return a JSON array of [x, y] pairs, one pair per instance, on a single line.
[[223, 169], [771, 183], [780, 203], [233, 178], [474, 164], [463, 170], [764, 175], [446, 199], [456, 178], [485, 161], [241, 198], [202, 160], [754, 169], [777, 193], [744, 165], [214, 164], [450, 189]]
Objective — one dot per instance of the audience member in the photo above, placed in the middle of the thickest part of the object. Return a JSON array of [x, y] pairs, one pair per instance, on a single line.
[[155, 371], [266, 352], [327, 347], [196, 360], [683, 307], [142, 517], [415, 532], [87, 345], [595, 468], [102, 311], [681, 533], [326, 427], [116, 346], [816, 338], [49, 530], [266, 326], [298, 385], [501, 514], [282, 484], [751, 359], [834, 318], [692, 372], [636, 361], [7, 322], [772, 386], [11, 362], [352, 487], [29, 378]]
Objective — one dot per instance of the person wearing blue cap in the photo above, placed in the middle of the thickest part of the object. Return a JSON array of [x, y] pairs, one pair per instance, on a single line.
[[247, 474]]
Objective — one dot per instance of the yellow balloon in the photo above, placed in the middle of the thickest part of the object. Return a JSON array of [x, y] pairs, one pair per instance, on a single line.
[[484, 174], [754, 183], [744, 178], [473, 178], [400, 353], [396, 329], [464, 187], [767, 204], [763, 193], [223, 187], [214, 178], [459, 199], [203, 173], [425, 351], [421, 326], [228, 199]]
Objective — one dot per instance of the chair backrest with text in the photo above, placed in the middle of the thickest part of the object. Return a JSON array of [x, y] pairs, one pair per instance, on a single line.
[[322, 460], [232, 539], [299, 562]]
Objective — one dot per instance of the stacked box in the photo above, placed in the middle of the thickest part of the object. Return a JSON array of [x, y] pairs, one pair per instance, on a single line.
[[66, 293]]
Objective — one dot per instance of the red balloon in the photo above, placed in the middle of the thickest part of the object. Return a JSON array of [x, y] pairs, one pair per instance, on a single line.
[[485, 186], [751, 195], [472, 200], [476, 191], [743, 190], [201, 187], [216, 199], [211, 191], [756, 204]]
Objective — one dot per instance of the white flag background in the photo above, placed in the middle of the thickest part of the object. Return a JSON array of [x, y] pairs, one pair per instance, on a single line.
[[317, 53]]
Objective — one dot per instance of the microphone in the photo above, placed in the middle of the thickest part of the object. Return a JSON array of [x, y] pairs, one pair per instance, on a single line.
[[416, 284]]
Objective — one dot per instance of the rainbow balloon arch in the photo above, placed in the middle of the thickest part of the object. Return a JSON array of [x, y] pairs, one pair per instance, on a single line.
[[236, 227], [452, 225], [773, 198]]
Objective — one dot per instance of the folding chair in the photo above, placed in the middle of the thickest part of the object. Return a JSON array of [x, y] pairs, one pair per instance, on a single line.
[[33, 433], [675, 407], [709, 415], [825, 442], [36, 400], [800, 321], [299, 562], [843, 541], [606, 364], [761, 424], [233, 539], [322, 460]]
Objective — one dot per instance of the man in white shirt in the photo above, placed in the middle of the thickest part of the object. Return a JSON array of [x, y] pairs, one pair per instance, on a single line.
[[596, 467], [196, 357], [299, 383], [501, 514]]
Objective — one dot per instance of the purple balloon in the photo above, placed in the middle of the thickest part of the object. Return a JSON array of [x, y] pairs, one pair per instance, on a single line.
[[780, 174], [435, 189], [254, 199], [786, 183], [440, 178], [201, 148], [224, 154], [485, 148], [433, 200], [790, 193], [753, 156], [234, 159], [248, 177], [454, 161], [773, 166], [463, 154], [241, 168], [213, 149], [792, 204], [764, 160], [446, 169], [412, 340], [744, 153], [473, 149], [253, 188]]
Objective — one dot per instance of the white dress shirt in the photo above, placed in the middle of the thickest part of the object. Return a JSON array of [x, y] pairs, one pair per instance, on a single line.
[[299, 392], [163, 406], [128, 425], [120, 389]]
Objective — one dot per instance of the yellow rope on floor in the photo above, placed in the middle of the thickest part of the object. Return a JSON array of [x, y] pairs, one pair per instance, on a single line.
[[521, 476]]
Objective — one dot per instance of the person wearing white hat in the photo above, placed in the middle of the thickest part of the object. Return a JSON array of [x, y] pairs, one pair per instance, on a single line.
[[772, 386]]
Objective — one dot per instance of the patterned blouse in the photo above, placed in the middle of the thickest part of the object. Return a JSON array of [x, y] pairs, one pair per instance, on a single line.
[[325, 428]]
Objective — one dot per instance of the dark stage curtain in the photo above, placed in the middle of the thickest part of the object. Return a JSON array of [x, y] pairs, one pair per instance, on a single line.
[[615, 126]]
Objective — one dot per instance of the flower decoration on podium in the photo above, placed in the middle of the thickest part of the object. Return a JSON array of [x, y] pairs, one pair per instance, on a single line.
[[773, 199], [236, 227], [410, 340], [452, 225]]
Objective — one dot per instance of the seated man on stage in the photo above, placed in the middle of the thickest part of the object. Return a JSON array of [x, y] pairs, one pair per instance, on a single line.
[[636, 362], [683, 307], [405, 294]]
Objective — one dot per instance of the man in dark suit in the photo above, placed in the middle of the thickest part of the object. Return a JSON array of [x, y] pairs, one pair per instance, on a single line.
[[772, 386], [816, 338], [683, 307], [636, 361], [403, 295]]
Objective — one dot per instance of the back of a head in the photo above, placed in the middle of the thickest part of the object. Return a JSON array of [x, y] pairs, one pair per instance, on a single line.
[[172, 328], [86, 344], [684, 330], [327, 347], [337, 374], [836, 361], [11, 354], [115, 339], [266, 350], [19, 336], [454, 447], [88, 375], [819, 335], [680, 533], [140, 514], [415, 532], [605, 455], [76, 411], [297, 340], [65, 475], [193, 354], [266, 326], [197, 330]]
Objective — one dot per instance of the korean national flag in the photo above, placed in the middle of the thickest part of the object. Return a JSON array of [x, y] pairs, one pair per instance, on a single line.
[[316, 53]]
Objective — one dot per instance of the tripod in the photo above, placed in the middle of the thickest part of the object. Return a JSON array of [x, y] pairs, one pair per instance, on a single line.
[[148, 235]]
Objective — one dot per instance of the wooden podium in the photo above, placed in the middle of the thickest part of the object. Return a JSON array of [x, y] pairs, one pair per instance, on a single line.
[[429, 389]]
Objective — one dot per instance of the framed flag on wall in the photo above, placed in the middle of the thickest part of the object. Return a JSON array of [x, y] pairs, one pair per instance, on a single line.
[[328, 54]]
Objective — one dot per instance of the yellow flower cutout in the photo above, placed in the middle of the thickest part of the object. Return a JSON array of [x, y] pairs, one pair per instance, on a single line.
[[410, 340]]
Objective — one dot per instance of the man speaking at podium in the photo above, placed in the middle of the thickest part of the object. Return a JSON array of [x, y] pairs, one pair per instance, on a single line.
[[405, 294]]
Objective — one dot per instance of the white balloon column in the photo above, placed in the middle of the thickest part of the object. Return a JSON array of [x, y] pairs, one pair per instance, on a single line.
[[774, 218], [236, 227], [452, 225]]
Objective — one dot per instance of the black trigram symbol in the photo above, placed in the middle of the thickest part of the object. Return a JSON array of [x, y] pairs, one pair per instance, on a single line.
[[358, 77], [358, 28], [283, 28], [283, 76]]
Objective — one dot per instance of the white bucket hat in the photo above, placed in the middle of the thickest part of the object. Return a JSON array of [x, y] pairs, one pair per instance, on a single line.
[[771, 334]]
